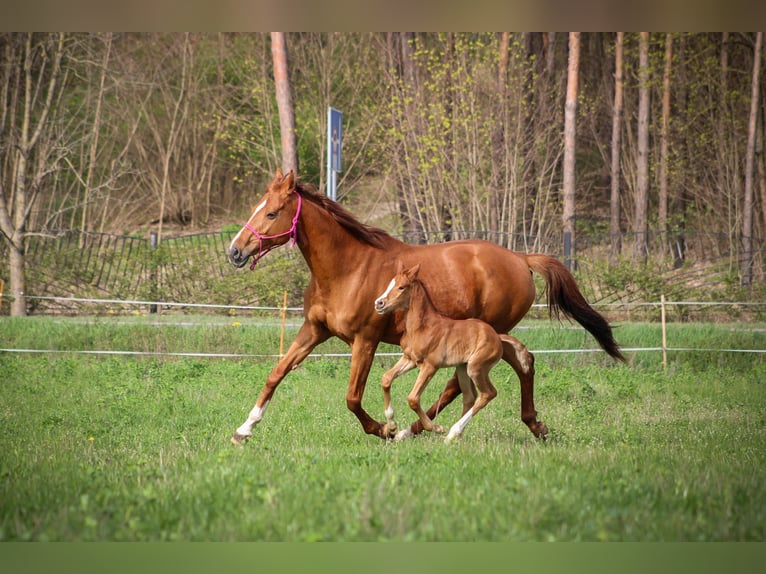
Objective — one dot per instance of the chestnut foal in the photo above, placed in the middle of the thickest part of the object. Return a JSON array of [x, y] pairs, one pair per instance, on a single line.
[[432, 341]]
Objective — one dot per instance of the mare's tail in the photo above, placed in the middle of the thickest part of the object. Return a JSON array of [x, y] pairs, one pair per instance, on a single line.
[[564, 296]]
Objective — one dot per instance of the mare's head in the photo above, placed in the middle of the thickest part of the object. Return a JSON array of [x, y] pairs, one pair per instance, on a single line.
[[272, 222], [397, 294]]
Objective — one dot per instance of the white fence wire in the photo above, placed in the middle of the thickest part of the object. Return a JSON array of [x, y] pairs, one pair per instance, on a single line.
[[169, 304]]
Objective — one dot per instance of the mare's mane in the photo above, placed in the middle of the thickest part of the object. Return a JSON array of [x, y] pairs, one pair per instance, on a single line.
[[373, 236]]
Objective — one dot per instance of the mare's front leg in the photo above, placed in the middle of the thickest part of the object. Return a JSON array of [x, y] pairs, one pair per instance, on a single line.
[[362, 354], [308, 337], [402, 366]]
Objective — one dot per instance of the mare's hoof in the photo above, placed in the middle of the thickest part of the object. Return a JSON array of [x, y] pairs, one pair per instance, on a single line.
[[239, 439]]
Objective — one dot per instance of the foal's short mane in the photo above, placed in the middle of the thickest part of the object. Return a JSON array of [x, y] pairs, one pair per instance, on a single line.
[[373, 236]]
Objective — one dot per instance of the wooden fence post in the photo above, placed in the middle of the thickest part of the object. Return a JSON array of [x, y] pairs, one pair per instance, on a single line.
[[153, 273]]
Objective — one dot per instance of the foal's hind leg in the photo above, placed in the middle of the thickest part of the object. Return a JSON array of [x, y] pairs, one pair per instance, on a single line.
[[487, 392], [467, 388], [523, 362]]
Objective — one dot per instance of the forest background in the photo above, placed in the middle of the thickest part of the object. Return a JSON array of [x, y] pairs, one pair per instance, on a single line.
[[527, 139]]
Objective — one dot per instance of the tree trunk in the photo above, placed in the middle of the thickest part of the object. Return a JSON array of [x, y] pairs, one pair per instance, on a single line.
[[614, 202], [497, 188], [570, 120], [642, 162], [284, 103], [747, 215], [36, 105], [663, 198]]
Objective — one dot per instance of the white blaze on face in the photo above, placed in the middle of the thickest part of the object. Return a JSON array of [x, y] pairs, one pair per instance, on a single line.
[[386, 292], [257, 209]]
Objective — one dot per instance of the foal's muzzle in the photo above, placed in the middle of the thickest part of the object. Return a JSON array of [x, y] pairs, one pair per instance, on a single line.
[[380, 306]]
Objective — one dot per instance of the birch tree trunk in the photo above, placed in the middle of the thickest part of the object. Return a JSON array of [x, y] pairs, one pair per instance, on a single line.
[[663, 198], [747, 215], [284, 103], [614, 200], [642, 161], [570, 120]]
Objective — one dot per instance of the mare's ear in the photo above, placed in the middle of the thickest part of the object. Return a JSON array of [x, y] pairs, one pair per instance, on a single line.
[[289, 181], [278, 175], [286, 185]]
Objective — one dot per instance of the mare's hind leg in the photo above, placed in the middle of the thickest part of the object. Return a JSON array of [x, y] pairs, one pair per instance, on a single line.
[[523, 362], [402, 366]]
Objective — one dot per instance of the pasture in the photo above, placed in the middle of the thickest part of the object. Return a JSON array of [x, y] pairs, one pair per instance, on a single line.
[[136, 448]]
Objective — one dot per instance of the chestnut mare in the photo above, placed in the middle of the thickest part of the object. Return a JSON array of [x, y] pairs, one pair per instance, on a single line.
[[351, 263], [432, 341]]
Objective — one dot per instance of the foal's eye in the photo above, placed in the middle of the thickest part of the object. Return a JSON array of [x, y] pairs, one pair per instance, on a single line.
[[271, 215]]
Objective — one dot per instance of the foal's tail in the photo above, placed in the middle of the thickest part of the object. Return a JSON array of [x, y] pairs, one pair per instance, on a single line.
[[564, 296]]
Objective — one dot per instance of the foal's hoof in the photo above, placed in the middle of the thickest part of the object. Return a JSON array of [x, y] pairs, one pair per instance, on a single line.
[[438, 429], [389, 430], [403, 434], [239, 439]]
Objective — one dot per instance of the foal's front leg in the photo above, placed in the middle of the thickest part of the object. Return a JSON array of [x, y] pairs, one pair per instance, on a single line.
[[426, 373], [404, 365]]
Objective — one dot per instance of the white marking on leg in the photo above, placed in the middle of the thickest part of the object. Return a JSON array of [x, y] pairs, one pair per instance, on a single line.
[[253, 419], [458, 428], [403, 434], [389, 413]]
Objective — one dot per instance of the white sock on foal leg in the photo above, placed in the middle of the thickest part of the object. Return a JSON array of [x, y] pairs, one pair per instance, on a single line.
[[458, 428]]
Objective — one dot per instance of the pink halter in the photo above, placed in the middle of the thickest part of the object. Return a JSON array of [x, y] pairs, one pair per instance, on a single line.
[[292, 232]]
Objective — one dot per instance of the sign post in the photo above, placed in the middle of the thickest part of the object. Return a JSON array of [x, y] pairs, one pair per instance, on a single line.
[[334, 147]]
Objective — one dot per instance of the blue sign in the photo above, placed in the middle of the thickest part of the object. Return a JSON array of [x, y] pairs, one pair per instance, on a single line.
[[335, 137]]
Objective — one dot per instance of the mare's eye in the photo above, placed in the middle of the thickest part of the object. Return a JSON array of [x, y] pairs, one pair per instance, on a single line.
[[271, 215]]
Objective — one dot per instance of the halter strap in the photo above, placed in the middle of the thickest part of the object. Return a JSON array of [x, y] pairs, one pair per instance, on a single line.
[[292, 232]]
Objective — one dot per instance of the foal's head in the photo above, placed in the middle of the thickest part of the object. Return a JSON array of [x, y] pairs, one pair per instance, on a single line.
[[397, 294]]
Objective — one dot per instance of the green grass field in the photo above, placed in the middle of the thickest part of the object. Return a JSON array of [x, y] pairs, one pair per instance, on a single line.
[[136, 448]]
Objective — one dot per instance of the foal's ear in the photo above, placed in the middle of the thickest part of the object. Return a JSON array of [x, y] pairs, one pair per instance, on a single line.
[[412, 272], [279, 174]]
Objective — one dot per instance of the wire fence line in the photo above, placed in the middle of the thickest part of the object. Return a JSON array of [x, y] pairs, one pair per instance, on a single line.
[[170, 304], [344, 355], [664, 349]]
